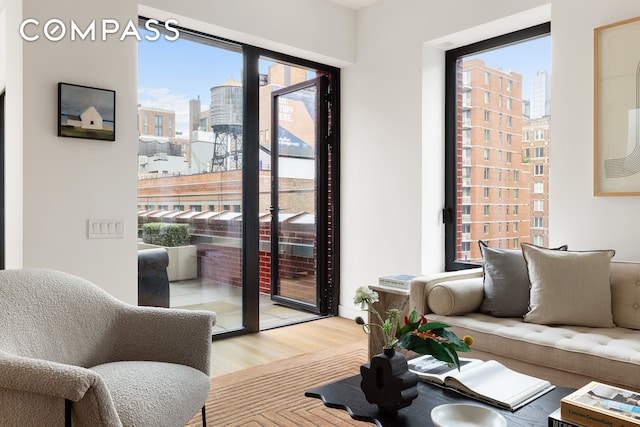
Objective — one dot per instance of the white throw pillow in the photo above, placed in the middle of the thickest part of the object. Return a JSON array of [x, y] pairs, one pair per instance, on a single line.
[[569, 287]]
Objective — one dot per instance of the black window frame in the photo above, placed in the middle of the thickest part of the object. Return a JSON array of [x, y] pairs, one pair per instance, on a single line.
[[451, 103], [251, 78]]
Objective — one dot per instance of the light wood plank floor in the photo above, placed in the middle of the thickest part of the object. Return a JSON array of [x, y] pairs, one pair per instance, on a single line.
[[237, 353]]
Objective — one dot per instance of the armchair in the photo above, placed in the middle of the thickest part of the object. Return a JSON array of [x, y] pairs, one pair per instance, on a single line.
[[72, 354]]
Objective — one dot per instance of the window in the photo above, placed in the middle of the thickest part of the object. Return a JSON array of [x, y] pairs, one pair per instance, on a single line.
[[538, 170], [486, 210], [158, 125], [539, 135], [538, 205], [538, 187], [210, 142], [538, 152], [509, 91], [538, 222], [487, 172]]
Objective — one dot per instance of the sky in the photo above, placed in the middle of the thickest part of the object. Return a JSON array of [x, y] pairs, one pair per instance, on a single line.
[[170, 73], [525, 58]]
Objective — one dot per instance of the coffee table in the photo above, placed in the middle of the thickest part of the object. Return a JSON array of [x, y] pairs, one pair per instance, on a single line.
[[347, 395]]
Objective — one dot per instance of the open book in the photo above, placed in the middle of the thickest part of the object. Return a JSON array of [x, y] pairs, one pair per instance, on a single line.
[[489, 382]]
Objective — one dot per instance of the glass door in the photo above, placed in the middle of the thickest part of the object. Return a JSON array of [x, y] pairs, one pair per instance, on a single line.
[[298, 195]]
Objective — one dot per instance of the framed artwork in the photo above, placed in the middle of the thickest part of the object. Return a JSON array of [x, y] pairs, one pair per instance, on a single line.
[[86, 112], [617, 109]]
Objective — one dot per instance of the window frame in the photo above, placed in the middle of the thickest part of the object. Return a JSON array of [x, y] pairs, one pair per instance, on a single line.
[[451, 104], [250, 79]]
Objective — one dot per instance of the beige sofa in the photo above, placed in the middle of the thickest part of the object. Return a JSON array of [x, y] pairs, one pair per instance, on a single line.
[[567, 355]]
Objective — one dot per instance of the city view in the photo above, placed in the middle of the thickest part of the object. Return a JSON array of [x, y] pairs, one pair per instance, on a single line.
[[503, 149], [190, 165], [190, 171]]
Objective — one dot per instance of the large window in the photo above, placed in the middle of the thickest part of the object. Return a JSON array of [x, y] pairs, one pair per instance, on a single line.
[[506, 77], [239, 145]]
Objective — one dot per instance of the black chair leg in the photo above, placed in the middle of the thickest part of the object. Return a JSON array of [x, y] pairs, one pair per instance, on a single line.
[[68, 405], [204, 417]]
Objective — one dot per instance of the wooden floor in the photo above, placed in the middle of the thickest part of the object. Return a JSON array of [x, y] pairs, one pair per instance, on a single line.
[[237, 353]]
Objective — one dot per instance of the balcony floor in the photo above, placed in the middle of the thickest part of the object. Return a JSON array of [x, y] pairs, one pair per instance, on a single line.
[[226, 302]]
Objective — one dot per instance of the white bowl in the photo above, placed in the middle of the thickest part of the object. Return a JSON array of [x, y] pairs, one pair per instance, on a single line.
[[461, 415]]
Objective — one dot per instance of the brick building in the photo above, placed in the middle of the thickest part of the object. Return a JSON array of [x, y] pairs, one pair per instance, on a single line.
[[493, 204]]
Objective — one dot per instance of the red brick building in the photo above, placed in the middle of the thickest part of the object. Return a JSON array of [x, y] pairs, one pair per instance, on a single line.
[[494, 179]]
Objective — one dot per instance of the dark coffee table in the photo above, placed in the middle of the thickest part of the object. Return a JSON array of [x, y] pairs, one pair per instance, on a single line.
[[347, 395]]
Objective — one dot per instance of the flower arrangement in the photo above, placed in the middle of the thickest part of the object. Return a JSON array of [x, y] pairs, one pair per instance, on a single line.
[[417, 334]]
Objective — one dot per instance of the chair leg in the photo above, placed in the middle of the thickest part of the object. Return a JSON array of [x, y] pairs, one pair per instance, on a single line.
[[204, 417], [68, 406]]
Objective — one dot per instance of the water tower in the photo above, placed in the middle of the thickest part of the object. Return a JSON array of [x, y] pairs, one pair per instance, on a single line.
[[226, 121]]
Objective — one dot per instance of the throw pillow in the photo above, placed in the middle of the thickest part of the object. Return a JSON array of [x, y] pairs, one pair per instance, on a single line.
[[506, 282], [569, 287], [456, 298]]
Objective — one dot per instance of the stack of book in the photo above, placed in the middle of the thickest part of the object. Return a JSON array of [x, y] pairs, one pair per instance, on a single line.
[[400, 281], [556, 420], [598, 404]]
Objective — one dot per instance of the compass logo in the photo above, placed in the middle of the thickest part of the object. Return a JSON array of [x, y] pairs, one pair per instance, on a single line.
[[56, 29]]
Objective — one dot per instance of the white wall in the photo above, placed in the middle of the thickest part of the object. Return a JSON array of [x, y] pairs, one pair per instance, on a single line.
[[63, 182], [392, 101], [577, 217], [392, 157]]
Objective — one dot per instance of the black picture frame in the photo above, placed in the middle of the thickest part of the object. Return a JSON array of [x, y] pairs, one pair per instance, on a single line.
[[86, 112]]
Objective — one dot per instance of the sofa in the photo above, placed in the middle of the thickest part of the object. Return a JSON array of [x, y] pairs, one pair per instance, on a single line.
[[577, 318], [71, 354], [153, 280]]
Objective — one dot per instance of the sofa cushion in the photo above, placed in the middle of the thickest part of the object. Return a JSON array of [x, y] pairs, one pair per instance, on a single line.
[[569, 287], [610, 355], [148, 393], [625, 294], [459, 297], [506, 282]]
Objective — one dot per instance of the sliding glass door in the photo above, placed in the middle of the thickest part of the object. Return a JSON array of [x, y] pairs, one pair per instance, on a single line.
[[206, 159]]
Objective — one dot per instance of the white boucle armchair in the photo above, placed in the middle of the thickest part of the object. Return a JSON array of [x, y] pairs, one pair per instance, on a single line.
[[72, 354]]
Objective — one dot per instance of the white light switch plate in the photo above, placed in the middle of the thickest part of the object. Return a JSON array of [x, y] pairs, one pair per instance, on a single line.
[[105, 228]]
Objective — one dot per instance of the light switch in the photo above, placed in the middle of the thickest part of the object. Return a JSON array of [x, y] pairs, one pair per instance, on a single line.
[[105, 228]]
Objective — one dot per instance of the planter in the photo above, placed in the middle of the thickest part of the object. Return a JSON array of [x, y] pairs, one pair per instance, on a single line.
[[387, 381], [183, 261]]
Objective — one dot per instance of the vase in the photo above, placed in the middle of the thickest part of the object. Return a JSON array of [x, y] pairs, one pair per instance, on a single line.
[[387, 381]]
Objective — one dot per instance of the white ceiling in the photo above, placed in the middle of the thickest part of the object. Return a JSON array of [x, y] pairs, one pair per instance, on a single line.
[[354, 4]]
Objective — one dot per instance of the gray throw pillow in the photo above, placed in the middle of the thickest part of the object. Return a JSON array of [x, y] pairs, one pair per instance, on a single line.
[[506, 282]]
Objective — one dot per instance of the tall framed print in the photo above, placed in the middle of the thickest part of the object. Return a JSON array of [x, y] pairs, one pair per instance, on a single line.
[[617, 109]]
